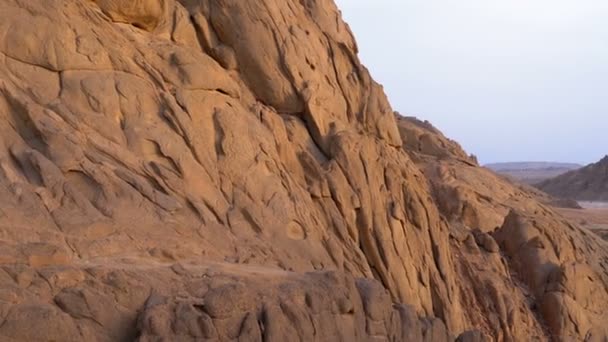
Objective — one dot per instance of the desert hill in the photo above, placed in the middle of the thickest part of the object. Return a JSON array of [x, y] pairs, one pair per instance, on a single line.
[[532, 172], [228, 170], [589, 183]]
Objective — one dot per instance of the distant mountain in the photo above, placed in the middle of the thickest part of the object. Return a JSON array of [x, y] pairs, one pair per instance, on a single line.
[[589, 183], [532, 172]]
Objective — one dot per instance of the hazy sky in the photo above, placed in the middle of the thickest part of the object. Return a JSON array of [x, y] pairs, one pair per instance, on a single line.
[[511, 80]]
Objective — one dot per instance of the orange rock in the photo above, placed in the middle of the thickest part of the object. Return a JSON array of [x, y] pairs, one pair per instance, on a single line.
[[194, 169]]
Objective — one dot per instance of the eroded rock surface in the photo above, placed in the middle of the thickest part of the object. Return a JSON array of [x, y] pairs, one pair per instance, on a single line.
[[225, 170], [520, 265]]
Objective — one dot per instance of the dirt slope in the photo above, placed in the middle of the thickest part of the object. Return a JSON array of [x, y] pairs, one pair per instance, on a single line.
[[220, 170], [586, 184], [595, 219]]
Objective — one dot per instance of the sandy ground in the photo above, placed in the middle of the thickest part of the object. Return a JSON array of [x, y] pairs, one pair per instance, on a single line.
[[594, 216], [594, 205]]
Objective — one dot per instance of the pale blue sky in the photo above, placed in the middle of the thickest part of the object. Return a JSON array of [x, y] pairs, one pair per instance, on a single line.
[[511, 80]]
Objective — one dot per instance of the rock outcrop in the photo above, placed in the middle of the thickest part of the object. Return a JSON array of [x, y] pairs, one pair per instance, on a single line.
[[589, 183], [222, 170], [525, 272]]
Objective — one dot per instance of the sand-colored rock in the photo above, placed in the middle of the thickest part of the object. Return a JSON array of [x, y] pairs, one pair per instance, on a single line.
[[145, 14], [221, 170], [543, 258]]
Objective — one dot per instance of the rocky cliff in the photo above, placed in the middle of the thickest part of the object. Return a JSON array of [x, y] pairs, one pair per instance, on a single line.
[[228, 170], [589, 183]]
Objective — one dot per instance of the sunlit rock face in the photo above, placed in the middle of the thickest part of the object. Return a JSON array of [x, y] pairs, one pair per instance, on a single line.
[[228, 169]]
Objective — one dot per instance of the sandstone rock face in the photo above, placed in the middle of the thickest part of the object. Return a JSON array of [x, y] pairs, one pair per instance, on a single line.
[[145, 14], [221, 170], [530, 289], [421, 139]]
